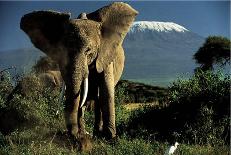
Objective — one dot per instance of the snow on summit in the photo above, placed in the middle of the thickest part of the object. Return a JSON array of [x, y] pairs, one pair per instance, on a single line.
[[156, 26]]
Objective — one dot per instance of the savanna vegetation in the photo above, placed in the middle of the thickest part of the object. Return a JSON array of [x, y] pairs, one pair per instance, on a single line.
[[194, 112]]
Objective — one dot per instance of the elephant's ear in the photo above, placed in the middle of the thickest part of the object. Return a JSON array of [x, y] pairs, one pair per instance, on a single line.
[[44, 28], [115, 20]]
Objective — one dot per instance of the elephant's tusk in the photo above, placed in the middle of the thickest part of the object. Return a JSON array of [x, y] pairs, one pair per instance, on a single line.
[[85, 91]]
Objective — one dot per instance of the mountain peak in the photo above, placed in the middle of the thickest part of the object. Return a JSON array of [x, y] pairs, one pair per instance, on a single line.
[[157, 26]]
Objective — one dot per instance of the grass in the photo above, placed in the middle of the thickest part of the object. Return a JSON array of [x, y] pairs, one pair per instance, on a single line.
[[28, 142], [44, 140], [52, 140]]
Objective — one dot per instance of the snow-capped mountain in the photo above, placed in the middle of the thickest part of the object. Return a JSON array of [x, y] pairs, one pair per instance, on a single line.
[[156, 52], [141, 26], [159, 33]]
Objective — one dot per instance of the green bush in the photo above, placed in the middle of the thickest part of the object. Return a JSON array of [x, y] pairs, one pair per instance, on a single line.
[[197, 112], [209, 87], [204, 101], [122, 119], [121, 94], [6, 87]]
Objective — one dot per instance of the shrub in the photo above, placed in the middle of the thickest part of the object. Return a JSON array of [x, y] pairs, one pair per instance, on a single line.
[[204, 88], [203, 103], [122, 119], [121, 94], [198, 112], [5, 88]]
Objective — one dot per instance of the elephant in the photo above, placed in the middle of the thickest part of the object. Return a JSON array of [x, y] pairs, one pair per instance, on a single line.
[[44, 64], [51, 78], [32, 84], [89, 52]]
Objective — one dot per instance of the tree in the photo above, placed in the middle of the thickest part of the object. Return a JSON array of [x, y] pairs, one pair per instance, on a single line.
[[215, 50]]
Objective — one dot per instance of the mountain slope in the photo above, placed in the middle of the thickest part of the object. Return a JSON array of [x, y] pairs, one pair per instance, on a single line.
[[21, 59]]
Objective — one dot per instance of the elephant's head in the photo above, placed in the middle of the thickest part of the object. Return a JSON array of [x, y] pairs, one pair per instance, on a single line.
[[75, 44]]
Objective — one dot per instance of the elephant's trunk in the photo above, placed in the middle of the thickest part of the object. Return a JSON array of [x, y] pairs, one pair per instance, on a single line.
[[80, 78], [85, 91], [76, 93]]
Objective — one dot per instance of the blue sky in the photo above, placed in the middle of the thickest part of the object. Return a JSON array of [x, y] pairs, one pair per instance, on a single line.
[[202, 17]]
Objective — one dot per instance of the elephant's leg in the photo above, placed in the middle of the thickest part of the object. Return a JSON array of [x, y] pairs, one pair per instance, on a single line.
[[98, 126], [71, 114], [81, 121], [75, 124], [108, 104]]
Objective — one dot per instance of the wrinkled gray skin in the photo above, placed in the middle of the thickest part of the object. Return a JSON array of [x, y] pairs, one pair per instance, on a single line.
[[90, 46]]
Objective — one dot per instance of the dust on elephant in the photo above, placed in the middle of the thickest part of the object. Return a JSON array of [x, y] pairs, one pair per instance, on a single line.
[[32, 84], [90, 56], [51, 78], [48, 73]]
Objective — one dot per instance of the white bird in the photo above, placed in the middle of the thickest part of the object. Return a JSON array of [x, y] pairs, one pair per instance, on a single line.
[[172, 149]]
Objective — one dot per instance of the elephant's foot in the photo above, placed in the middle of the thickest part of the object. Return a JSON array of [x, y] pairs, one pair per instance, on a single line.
[[98, 131], [106, 134], [113, 141], [109, 130], [85, 143], [97, 134], [80, 140], [109, 133], [72, 130]]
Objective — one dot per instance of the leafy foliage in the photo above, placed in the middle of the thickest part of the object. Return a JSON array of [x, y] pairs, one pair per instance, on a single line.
[[215, 50], [121, 94], [204, 88], [206, 99], [6, 87], [196, 105]]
